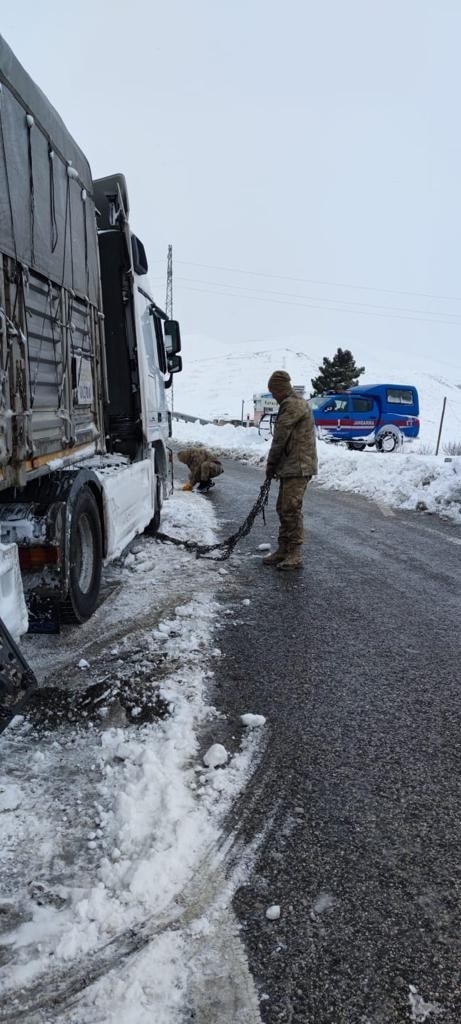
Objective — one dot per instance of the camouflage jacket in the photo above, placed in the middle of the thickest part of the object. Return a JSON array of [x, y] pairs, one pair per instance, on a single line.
[[293, 451], [195, 459]]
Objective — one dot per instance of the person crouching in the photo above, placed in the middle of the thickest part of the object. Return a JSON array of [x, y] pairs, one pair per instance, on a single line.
[[203, 468]]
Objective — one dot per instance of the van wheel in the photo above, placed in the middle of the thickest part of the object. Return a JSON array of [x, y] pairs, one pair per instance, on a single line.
[[387, 442], [356, 446], [85, 547]]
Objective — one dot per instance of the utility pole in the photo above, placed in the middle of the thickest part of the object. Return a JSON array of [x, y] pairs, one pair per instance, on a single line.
[[441, 425], [169, 303], [169, 284]]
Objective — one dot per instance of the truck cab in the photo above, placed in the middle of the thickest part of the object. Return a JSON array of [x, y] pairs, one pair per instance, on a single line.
[[141, 344], [86, 358], [380, 415]]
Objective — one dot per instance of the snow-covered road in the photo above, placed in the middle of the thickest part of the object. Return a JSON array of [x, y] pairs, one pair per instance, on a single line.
[[114, 871]]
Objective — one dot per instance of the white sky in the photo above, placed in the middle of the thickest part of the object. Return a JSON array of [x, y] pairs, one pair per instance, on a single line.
[[311, 139]]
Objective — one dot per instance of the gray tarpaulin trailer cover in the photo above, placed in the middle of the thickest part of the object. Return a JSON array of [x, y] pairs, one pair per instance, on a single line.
[[47, 215]]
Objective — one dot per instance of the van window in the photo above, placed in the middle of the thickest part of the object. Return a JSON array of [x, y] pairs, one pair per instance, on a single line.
[[362, 404], [399, 396], [336, 405]]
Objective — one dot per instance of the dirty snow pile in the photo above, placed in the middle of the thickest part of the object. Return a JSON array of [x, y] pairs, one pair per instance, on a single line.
[[405, 480], [107, 825]]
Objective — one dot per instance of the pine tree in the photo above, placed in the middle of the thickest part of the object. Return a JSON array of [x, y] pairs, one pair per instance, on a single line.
[[337, 374]]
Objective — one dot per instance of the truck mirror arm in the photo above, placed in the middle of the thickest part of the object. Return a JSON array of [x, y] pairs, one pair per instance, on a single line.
[[155, 310]]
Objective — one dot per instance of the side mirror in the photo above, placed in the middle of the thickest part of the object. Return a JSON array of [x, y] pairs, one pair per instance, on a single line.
[[172, 338], [174, 363]]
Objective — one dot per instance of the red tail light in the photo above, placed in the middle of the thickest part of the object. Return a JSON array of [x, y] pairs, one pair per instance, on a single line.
[[34, 558]]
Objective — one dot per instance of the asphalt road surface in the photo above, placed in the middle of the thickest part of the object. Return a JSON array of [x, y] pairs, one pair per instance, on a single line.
[[355, 661]]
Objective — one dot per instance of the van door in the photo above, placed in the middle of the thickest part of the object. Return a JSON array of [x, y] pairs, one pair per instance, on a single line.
[[365, 414], [334, 417]]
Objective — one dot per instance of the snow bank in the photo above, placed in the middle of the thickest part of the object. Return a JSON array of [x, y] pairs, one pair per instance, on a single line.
[[244, 442], [403, 480]]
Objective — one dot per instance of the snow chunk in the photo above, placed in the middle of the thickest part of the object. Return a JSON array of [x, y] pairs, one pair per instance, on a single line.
[[420, 1010], [215, 756], [264, 547], [273, 912], [246, 601], [323, 902], [83, 664], [10, 797], [252, 721]]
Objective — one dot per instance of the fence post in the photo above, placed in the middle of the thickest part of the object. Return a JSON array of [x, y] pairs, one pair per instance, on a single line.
[[441, 425]]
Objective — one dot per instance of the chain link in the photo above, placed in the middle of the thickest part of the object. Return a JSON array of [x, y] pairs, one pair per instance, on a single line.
[[225, 547]]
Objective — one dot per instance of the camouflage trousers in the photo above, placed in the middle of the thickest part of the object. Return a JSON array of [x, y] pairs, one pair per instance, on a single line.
[[290, 510], [206, 471]]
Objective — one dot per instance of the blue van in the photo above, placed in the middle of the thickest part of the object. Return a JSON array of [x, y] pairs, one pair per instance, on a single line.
[[383, 415]]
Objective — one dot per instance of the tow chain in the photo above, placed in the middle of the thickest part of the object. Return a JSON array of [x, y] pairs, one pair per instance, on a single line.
[[227, 546]]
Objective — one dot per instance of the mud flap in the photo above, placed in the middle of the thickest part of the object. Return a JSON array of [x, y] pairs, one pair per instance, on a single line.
[[17, 680]]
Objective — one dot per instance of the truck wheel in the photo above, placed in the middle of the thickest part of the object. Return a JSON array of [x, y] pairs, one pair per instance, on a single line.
[[85, 559], [388, 441], [356, 446]]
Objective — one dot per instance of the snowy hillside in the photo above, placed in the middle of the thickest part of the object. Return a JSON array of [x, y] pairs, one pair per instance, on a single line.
[[217, 378]]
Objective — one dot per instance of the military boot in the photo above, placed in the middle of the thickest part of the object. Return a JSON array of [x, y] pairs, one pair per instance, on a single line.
[[293, 559], [276, 556]]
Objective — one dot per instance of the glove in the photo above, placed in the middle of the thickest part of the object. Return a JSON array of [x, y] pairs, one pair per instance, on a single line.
[[186, 487]]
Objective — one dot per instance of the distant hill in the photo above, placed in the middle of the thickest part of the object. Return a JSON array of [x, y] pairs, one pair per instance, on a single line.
[[217, 378]]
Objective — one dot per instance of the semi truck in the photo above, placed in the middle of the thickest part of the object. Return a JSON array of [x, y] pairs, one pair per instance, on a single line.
[[86, 358]]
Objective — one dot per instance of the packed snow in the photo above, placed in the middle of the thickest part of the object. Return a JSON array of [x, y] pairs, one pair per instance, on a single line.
[[405, 480], [252, 721]]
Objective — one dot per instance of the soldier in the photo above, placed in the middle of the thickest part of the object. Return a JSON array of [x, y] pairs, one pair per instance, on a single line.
[[202, 466], [293, 460]]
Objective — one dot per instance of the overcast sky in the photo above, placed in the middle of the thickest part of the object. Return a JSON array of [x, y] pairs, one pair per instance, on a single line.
[[316, 142]]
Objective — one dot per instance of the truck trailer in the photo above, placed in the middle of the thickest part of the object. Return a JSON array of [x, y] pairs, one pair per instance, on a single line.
[[86, 358]]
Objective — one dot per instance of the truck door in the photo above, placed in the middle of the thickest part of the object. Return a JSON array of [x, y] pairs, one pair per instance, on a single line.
[[153, 362], [334, 417], [365, 414]]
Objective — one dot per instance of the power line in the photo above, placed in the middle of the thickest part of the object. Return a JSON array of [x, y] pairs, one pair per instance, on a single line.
[[316, 305], [330, 284], [315, 298]]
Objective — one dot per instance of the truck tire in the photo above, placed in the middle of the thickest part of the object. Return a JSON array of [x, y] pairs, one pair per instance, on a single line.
[[85, 547]]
